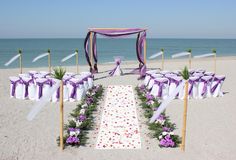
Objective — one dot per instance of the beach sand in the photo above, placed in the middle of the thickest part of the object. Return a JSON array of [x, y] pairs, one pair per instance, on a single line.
[[211, 122]]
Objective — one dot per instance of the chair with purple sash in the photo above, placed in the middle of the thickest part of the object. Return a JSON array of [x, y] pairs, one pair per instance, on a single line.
[[76, 89], [89, 79], [27, 81], [41, 83], [204, 87], [32, 73], [193, 87], [160, 88], [148, 76], [216, 86], [152, 77], [174, 82], [70, 74], [16, 87]]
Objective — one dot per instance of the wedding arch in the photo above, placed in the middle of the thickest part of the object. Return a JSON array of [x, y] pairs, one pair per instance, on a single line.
[[90, 45]]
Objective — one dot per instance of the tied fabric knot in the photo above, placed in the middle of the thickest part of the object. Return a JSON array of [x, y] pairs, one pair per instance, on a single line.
[[192, 83], [14, 83], [161, 85], [204, 89], [75, 85], [26, 83], [118, 61]]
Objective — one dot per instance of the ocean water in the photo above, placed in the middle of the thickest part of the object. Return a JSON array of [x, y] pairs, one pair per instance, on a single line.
[[107, 49]]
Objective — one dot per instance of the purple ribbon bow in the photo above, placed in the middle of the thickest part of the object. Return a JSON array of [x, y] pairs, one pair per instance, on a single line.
[[191, 83], [218, 80], [75, 85], [14, 83], [161, 85], [118, 61], [26, 83], [204, 90]]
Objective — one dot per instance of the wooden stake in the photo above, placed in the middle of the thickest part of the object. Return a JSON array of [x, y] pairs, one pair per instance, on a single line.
[[215, 63], [190, 56], [91, 48], [61, 117], [162, 59], [49, 61], [145, 51], [20, 61], [184, 116], [77, 60]]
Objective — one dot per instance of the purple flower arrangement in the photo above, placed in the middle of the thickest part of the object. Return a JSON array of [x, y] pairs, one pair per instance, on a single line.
[[82, 118], [163, 128]]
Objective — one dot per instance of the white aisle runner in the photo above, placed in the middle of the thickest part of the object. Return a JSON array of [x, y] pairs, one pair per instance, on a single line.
[[119, 127]]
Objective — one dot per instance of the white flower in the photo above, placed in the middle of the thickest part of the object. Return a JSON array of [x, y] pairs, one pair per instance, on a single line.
[[160, 137], [78, 123], [164, 133], [72, 133], [77, 132], [82, 111], [84, 105], [160, 121], [171, 133]]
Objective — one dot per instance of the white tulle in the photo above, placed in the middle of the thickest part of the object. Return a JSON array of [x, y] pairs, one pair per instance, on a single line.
[[42, 101], [204, 55], [156, 55], [12, 60], [164, 104], [180, 54], [68, 57], [40, 56]]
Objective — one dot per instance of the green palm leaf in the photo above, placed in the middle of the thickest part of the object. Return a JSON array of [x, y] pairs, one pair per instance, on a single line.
[[59, 72], [185, 73]]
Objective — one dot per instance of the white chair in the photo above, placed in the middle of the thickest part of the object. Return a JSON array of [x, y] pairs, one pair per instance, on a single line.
[[151, 81], [76, 89], [217, 85], [41, 87], [16, 87], [174, 83], [44, 73], [204, 87], [27, 81], [89, 79], [160, 88], [32, 73], [193, 87]]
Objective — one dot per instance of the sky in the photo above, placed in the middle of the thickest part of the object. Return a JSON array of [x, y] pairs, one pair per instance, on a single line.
[[162, 18]]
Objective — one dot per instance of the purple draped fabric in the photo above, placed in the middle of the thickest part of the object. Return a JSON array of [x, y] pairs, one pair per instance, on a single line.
[[26, 83], [204, 89], [14, 83], [114, 33], [75, 85], [218, 81], [161, 85], [192, 83]]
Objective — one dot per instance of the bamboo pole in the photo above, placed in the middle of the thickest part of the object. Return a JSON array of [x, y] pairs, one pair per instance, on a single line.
[[77, 60], [184, 116], [145, 51], [162, 59], [61, 117], [91, 48], [190, 56], [20, 60], [214, 51], [49, 61]]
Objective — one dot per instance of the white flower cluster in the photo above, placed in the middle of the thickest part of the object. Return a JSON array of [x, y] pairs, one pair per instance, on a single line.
[[164, 134], [75, 133], [77, 122], [162, 122]]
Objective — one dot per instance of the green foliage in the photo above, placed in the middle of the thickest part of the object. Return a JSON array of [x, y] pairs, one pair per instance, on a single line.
[[76, 50], [59, 72], [19, 51], [213, 50], [87, 124], [189, 50], [49, 51], [162, 49], [185, 73]]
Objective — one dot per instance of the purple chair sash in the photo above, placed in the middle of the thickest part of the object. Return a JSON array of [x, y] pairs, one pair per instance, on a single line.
[[14, 83], [118, 61], [218, 80], [161, 85], [191, 83], [40, 84], [204, 90], [26, 83], [75, 85]]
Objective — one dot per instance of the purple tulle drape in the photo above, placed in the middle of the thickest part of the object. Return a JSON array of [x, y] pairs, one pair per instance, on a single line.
[[115, 33]]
